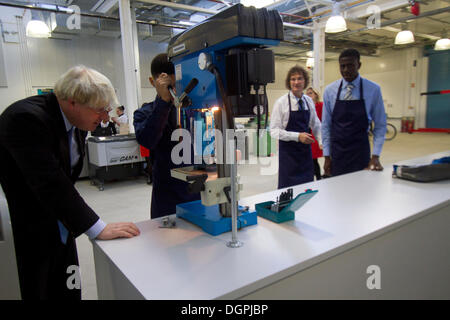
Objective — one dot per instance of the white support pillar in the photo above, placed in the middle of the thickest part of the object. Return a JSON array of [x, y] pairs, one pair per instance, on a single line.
[[422, 86], [410, 106], [319, 57], [25, 58], [136, 58], [130, 64]]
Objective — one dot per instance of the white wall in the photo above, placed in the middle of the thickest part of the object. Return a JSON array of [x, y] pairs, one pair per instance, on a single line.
[[50, 58]]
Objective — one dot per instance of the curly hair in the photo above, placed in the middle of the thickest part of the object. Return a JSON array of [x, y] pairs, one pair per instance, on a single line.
[[296, 69]]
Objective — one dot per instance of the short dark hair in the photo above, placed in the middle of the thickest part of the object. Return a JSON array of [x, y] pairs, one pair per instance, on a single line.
[[296, 69], [161, 64], [121, 108], [350, 53]]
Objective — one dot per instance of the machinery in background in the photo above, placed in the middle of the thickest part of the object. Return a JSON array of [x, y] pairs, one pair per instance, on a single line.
[[113, 158], [224, 66]]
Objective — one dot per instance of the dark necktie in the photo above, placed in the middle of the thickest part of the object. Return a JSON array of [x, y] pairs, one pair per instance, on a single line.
[[64, 233], [69, 136], [300, 104]]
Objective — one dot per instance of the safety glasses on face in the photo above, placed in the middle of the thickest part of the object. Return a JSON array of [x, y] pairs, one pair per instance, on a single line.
[[102, 111]]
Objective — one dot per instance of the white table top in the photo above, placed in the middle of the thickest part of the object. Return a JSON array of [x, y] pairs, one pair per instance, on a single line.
[[186, 263]]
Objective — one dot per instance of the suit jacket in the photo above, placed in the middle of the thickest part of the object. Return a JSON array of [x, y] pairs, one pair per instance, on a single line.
[[36, 177]]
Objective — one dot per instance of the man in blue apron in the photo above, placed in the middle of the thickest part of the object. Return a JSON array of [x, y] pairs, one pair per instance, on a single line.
[[350, 105], [292, 117], [154, 123]]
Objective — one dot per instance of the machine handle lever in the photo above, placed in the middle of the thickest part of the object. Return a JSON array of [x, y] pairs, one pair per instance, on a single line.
[[191, 85], [198, 184]]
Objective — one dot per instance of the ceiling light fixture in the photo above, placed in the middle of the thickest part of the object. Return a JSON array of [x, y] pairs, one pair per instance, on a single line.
[[336, 23], [405, 36], [36, 28], [443, 43]]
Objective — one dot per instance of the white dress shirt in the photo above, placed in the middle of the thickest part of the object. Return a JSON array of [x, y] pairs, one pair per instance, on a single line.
[[123, 119], [280, 118]]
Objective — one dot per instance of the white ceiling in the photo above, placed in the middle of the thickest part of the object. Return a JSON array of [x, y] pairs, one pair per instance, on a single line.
[[157, 19]]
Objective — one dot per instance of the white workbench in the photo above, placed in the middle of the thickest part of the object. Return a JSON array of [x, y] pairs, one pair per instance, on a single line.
[[355, 221]]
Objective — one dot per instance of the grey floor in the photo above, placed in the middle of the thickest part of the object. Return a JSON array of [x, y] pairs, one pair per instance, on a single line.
[[129, 200]]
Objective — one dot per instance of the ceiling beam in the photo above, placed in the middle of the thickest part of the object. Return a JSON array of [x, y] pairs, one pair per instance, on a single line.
[[296, 26], [105, 6], [180, 6], [385, 24]]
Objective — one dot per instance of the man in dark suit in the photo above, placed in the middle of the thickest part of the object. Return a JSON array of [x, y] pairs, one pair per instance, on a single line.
[[41, 155]]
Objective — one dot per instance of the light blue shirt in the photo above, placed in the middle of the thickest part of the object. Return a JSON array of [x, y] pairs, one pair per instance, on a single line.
[[98, 227], [374, 109]]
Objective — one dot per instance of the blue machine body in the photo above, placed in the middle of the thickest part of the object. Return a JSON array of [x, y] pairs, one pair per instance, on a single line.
[[210, 220], [234, 42], [206, 94]]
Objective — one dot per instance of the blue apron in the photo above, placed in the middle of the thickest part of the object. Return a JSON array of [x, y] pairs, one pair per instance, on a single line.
[[167, 191], [350, 148], [295, 161]]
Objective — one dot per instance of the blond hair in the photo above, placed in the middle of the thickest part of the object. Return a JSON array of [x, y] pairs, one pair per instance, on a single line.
[[86, 86], [316, 92]]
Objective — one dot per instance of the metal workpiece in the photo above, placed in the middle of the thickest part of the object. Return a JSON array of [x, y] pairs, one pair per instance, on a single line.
[[234, 243]]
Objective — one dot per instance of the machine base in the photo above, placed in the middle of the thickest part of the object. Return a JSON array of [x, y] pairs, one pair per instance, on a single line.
[[100, 175], [209, 218]]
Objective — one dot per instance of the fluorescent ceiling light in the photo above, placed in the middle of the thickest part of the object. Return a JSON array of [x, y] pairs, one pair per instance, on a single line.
[[442, 44], [37, 29], [186, 23], [257, 3], [404, 37]]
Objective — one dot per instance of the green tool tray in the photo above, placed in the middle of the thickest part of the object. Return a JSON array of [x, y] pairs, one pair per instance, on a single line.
[[288, 212]]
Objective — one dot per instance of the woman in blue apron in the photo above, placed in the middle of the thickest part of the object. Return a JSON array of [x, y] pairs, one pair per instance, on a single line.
[[350, 148], [295, 156]]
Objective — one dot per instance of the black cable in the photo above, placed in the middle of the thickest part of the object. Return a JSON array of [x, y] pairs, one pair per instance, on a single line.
[[228, 110], [258, 114], [266, 106]]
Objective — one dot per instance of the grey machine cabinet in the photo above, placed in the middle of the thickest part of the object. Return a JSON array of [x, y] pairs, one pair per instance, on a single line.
[[113, 158]]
